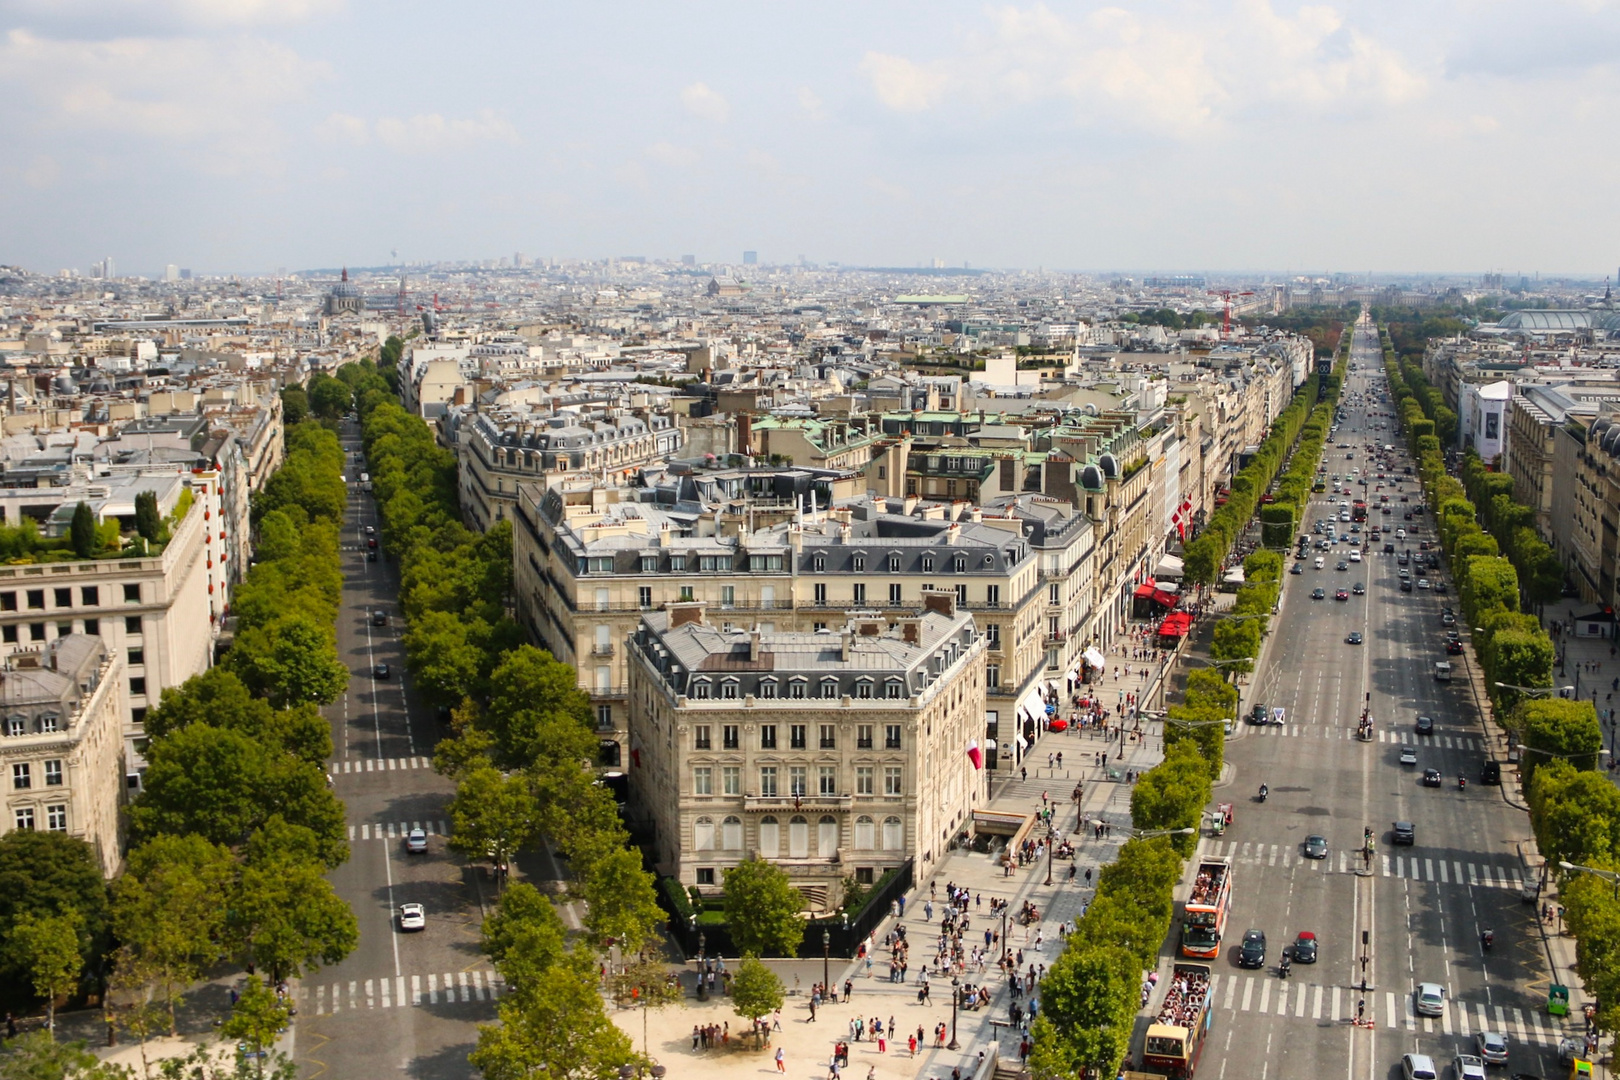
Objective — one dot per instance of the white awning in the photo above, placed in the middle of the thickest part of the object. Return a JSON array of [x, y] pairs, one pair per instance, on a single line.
[[1235, 575], [1033, 704], [1094, 658], [1169, 567]]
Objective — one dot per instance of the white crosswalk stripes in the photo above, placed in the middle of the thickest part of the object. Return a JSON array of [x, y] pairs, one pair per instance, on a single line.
[[393, 830], [352, 765], [1337, 1004], [1476, 875], [386, 993]]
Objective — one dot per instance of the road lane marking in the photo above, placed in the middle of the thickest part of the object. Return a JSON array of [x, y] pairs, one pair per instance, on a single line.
[[1473, 874], [1445, 1017], [387, 996], [1336, 1002], [320, 1001], [1428, 868], [1457, 866], [1344, 862], [1443, 879], [1411, 1012], [1265, 996], [1248, 992], [433, 988], [461, 981], [1273, 861], [1501, 1020], [1299, 1002], [1541, 1034], [1385, 859], [351, 832], [1518, 1025], [352, 986], [1231, 991], [416, 989], [371, 994], [1462, 1020], [1316, 1003], [399, 988]]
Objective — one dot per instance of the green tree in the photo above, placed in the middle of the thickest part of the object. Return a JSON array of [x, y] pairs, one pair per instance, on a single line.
[[148, 521], [1087, 1012], [555, 1026], [48, 873], [166, 911], [286, 919], [36, 1055], [256, 1019], [1576, 815], [82, 531], [537, 713], [219, 698], [524, 937], [48, 950], [294, 405], [443, 661], [756, 990], [292, 661], [492, 816], [329, 398], [1172, 794], [762, 909], [621, 902]]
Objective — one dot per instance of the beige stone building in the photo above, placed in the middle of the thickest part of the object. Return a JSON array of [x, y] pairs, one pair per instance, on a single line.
[[836, 753], [61, 737], [586, 568]]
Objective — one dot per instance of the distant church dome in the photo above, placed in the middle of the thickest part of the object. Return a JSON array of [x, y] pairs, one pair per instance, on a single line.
[[345, 298]]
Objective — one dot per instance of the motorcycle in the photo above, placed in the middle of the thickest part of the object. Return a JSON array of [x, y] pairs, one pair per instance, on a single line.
[[1264, 791], [1462, 782], [1487, 939], [1284, 967]]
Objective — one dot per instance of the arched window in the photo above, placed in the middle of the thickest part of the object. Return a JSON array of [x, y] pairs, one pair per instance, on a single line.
[[770, 837], [865, 833], [827, 836], [731, 833], [799, 838], [703, 834], [894, 834]]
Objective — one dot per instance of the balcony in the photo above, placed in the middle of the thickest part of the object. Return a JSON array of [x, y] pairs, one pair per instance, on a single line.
[[602, 649], [600, 692], [1057, 637], [798, 802]]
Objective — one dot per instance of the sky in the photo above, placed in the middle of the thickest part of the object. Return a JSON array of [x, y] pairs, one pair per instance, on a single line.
[[239, 136]]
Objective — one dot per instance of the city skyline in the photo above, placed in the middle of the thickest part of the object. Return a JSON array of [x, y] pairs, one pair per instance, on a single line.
[[238, 137]]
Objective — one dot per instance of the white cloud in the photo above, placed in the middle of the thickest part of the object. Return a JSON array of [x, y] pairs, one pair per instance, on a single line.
[[431, 131], [811, 105], [94, 18], [219, 98], [706, 103], [671, 156], [41, 172], [1191, 71], [341, 127], [901, 84]]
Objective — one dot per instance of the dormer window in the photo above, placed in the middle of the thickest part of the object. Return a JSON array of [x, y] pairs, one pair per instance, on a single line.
[[700, 688], [677, 563], [928, 564], [989, 560], [819, 564], [959, 563], [767, 688], [798, 687], [728, 689], [894, 688], [829, 688], [863, 687], [894, 562], [858, 562]]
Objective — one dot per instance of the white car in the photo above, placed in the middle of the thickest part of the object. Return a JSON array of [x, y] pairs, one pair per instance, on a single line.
[[1408, 756], [1355, 556], [1467, 1067], [1429, 999], [1418, 1067], [412, 917], [1492, 1046]]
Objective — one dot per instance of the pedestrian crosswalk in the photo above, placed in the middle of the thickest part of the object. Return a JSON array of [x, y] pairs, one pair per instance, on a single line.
[[386, 830], [1414, 867], [1331, 731], [356, 765], [386, 993], [1314, 1001]]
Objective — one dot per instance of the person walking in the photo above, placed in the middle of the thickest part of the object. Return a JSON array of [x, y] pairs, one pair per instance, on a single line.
[[781, 1060]]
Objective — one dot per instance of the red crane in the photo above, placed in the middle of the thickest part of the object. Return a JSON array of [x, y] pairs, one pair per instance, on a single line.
[[1227, 294]]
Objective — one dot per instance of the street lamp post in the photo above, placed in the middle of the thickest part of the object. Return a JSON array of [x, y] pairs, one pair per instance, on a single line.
[[1607, 875], [955, 997], [826, 953], [1004, 936], [1149, 834], [1049, 835]]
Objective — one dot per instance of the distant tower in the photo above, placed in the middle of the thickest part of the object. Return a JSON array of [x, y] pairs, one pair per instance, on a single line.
[[345, 298]]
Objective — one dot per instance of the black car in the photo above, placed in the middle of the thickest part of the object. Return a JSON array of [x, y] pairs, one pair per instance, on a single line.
[[1491, 773], [1297, 568], [371, 556], [1316, 847], [379, 618], [1318, 593], [1425, 725], [1304, 951], [1342, 566], [1359, 589], [1431, 777], [1353, 638], [1453, 647], [1439, 588], [1252, 953], [1406, 585], [381, 671], [1403, 832], [1389, 549]]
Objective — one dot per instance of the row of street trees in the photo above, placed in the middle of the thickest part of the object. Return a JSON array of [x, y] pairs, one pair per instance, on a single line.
[[522, 754], [1574, 806], [1091, 994]]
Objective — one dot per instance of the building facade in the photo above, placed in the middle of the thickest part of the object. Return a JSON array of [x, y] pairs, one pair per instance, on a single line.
[[836, 753], [61, 737]]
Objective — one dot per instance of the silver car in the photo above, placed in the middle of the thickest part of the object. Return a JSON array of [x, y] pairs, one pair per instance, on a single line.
[[1467, 1067], [1492, 1046], [1429, 999]]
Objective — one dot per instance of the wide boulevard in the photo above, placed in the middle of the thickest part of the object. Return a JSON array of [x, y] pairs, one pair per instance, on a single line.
[[1422, 908]]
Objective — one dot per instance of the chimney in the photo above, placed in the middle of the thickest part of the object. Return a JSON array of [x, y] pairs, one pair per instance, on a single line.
[[681, 614], [844, 640], [910, 631], [753, 644], [940, 600]]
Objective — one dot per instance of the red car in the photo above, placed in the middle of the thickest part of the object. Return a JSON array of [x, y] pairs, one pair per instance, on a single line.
[[1341, 595]]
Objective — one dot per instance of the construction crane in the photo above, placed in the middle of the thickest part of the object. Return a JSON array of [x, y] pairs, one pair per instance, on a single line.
[[1226, 322]]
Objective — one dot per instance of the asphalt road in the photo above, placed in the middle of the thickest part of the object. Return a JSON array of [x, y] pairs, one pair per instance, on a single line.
[[402, 1004], [1422, 907]]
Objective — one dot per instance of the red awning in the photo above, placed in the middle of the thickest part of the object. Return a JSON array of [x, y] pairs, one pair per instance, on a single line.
[[1150, 591], [1176, 624]]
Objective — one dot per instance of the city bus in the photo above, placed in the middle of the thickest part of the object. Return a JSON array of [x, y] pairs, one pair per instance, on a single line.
[[1176, 1037], [1204, 923], [1358, 510]]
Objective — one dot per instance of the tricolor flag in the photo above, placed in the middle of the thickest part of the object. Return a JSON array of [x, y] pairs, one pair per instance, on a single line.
[[975, 755]]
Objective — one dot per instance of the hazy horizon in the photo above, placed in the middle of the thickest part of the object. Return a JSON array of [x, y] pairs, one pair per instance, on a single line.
[[243, 135]]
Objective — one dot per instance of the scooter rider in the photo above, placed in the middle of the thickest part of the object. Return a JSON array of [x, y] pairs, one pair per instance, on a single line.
[[1264, 791]]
